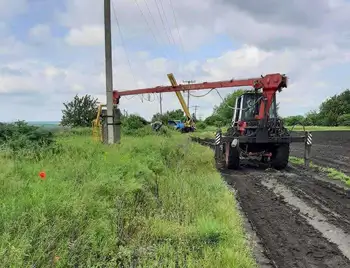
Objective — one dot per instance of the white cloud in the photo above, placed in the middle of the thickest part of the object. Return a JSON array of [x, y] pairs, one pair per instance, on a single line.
[[9, 9], [88, 35], [302, 46], [40, 31]]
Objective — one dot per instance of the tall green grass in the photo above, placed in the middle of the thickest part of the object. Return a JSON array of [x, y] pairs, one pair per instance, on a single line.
[[153, 201]]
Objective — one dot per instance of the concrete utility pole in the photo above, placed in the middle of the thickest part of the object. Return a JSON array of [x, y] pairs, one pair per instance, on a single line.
[[112, 137], [188, 92], [195, 110], [160, 103]]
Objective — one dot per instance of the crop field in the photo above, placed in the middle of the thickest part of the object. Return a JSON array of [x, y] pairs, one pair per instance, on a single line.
[[298, 217], [152, 201], [329, 149]]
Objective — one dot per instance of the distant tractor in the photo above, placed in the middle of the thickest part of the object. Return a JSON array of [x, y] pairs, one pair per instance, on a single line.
[[184, 127]]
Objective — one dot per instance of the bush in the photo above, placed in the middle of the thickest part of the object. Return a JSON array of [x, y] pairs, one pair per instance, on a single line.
[[201, 125], [344, 120], [20, 136], [132, 123]]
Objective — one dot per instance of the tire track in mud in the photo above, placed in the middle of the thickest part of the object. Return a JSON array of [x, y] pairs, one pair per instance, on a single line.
[[331, 200], [289, 240]]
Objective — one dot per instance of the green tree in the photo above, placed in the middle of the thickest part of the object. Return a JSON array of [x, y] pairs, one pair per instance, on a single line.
[[79, 112], [334, 107], [344, 120], [294, 120], [224, 112]]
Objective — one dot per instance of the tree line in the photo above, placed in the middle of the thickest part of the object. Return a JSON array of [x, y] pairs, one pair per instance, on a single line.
[[334, 111]]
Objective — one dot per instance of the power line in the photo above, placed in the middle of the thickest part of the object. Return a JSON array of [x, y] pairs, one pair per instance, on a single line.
[[200, 96], [166, 22], [178, 30], [162, 21], [123, 45]]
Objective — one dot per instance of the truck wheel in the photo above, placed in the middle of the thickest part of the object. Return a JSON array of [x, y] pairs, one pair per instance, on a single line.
[[232, 159], [280, 156]]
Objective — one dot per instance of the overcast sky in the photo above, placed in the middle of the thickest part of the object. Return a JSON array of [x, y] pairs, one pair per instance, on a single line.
[[51, 50]]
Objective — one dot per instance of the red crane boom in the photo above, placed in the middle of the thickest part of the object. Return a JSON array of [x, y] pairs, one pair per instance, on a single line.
[[269, 84]]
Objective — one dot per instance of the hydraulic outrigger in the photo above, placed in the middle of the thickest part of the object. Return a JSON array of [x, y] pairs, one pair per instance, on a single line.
[[256, 129]]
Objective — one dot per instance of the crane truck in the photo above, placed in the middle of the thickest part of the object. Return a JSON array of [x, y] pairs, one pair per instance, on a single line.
[[255, 129]]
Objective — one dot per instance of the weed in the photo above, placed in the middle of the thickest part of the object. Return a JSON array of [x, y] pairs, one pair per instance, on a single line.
[[151, 201], [331, 172]]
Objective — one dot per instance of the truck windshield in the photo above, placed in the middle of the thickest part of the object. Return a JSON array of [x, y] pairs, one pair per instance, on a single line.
[[251, 105]]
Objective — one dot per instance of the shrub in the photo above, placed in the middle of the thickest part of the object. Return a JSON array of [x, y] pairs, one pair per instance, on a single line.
[[21, 137], [344, 120], [201, 125], [132, 123]]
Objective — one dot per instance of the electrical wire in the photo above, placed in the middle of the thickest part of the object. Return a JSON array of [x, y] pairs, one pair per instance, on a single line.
[[162, 21], [152, 17], [178, 31], [217, 91], [167, 22], [148, 25], [200, 96], [123, 45]]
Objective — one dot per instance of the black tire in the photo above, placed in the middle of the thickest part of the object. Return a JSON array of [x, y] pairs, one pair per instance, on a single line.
[[233, 161], [280, 156]]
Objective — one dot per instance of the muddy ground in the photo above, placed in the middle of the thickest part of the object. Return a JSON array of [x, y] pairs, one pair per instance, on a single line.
[[297, 219], [329, 149]]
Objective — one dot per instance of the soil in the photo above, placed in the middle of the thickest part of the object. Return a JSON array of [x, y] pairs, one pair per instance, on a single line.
[[329, 149], [296, 218], [292, 233]]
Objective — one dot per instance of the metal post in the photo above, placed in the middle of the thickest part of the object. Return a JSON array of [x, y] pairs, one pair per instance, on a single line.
[[117, 123], [111, 137], [218, 145], [188, 92], [307, 152], [188, 100], [160, 103], [104, 129]]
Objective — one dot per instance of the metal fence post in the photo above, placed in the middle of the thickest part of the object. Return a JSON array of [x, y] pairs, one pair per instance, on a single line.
[[117, 124], [307, 152], [218, 145]]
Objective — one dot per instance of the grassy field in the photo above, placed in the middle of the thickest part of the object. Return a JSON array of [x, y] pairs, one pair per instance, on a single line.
[[319, 128], [149, 202]]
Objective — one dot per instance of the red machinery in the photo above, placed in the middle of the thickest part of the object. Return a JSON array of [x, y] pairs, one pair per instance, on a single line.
[[269, 83], [255, 128]]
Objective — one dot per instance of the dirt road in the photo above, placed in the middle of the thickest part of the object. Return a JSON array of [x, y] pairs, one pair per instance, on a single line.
[[299, 219]]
